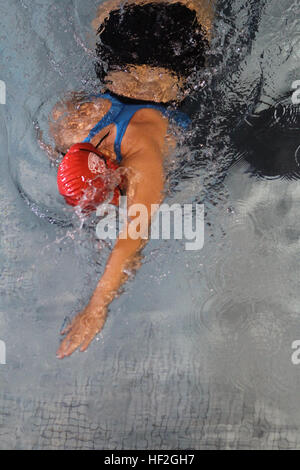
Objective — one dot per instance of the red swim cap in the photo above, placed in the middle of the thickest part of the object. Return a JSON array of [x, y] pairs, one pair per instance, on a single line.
[[85, 178]]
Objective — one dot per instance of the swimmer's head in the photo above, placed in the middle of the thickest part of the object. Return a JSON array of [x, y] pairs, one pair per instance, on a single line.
[[86, 178], [149, 50]]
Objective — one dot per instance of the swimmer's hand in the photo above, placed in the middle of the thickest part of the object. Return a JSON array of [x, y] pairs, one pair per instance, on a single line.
[[82, 330]]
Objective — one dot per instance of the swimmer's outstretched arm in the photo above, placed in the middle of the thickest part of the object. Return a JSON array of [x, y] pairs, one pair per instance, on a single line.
[[145, 186]]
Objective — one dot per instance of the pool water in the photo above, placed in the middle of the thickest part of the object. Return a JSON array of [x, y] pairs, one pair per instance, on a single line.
[[197, 351]]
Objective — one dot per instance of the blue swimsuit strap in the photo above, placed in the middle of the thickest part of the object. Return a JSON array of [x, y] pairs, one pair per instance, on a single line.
[[109, 118], [120, 114]]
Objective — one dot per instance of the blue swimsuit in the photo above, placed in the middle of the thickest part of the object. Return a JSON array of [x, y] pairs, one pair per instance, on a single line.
[[120, 114]]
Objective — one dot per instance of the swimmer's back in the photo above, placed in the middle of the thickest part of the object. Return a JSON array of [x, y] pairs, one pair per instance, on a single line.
[[72, 122]]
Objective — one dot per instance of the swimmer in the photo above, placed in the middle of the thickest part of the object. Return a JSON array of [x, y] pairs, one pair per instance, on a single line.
[[147, 51]]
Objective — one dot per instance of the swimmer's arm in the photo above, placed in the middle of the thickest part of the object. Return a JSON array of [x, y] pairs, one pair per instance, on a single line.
[[69, 123], [146, 188], [71, 120]]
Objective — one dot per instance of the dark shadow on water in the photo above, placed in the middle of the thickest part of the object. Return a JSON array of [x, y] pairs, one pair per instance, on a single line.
[[270, 142]]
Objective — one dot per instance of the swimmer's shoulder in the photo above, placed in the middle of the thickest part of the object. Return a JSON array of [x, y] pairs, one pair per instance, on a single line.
[[148, 128], [71, 120]]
